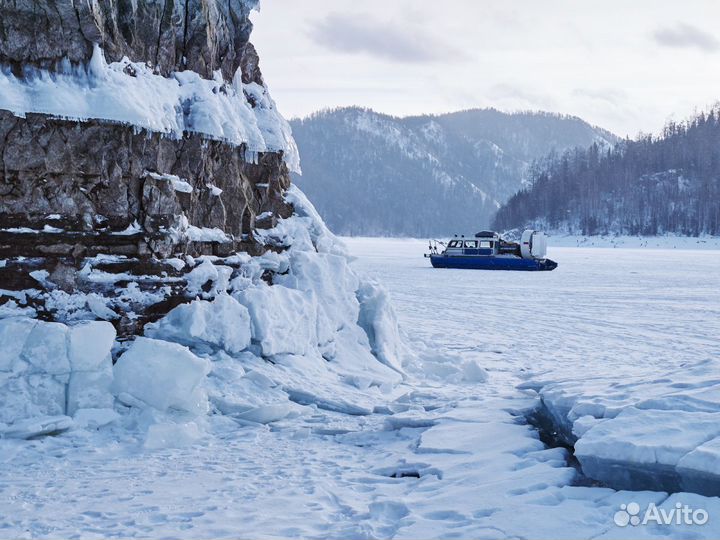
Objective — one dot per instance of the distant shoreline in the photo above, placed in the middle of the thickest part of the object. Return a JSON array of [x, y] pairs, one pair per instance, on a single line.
[[636, 242], [601, 241]]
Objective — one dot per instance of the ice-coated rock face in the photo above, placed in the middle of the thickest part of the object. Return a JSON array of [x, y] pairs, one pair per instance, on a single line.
[[200, 35], [144, 181], [183, 71], [131, 133], [100, 178]]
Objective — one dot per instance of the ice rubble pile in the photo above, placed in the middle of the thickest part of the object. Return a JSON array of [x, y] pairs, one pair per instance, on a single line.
[[131, 93], [661, 434], [307, 339], [49, 371], [319, 336]]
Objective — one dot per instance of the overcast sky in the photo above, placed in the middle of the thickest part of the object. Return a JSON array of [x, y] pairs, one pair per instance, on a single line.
[[626, 65]]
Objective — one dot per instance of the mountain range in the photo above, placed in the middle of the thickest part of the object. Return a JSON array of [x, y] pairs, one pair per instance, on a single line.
[[378, 175]]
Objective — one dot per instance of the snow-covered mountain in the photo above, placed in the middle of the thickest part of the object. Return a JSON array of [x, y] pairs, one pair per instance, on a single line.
[[653, 185], [373, 174]]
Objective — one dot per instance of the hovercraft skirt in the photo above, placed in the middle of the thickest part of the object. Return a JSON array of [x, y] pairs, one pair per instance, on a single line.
[[492, 263]]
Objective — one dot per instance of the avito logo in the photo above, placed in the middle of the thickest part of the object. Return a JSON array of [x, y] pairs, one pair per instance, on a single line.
[[680, 514]]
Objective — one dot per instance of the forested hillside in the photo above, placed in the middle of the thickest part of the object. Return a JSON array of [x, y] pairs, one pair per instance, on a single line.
[[378, 175], [669, 183]]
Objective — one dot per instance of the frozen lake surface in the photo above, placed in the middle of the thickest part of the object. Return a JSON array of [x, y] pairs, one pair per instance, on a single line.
[[601, 310], [622, 346]]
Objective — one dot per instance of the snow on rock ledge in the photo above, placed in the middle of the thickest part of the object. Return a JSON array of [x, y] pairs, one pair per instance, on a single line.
[[131, 93]]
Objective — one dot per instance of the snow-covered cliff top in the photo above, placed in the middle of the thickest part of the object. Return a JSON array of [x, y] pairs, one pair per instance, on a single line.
[[131, 93]]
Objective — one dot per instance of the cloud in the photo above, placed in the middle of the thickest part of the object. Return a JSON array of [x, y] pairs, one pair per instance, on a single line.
[[612, 96], [363, 34], [521, 96], [686, 36], [609, 106]]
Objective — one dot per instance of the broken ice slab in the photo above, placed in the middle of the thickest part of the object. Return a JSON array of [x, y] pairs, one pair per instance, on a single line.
[[700, 469], [35, 427], [660, 450]]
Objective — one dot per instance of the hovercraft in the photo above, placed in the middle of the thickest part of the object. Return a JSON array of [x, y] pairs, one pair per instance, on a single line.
[[488, 251]]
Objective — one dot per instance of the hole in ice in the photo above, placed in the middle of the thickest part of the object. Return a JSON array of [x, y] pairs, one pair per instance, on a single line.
[[409, 470], [552, 436], [549, 433], [405, 474]]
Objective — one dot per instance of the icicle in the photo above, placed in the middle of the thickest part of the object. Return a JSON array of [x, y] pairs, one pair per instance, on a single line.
[[251, 156], [97, 66], [237, 82]]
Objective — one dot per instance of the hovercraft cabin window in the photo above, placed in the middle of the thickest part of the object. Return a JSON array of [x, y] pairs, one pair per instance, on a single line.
[[471, 244], [485, 244]]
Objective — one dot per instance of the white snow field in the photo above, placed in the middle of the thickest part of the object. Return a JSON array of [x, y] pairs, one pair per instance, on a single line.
[[620, 345]]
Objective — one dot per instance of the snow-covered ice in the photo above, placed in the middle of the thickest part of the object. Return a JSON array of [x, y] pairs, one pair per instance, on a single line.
[[437, 444], [162, 375], [50, 371], [222, 323], [279, 319]]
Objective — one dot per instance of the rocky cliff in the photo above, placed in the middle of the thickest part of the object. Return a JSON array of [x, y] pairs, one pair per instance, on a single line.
[[131, 134], [158, 271], [203, 36]]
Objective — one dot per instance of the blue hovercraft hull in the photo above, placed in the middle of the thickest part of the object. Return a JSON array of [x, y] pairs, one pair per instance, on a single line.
[[492, 263]]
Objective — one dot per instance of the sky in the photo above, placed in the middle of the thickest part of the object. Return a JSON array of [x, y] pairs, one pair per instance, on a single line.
[[626, 65]]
